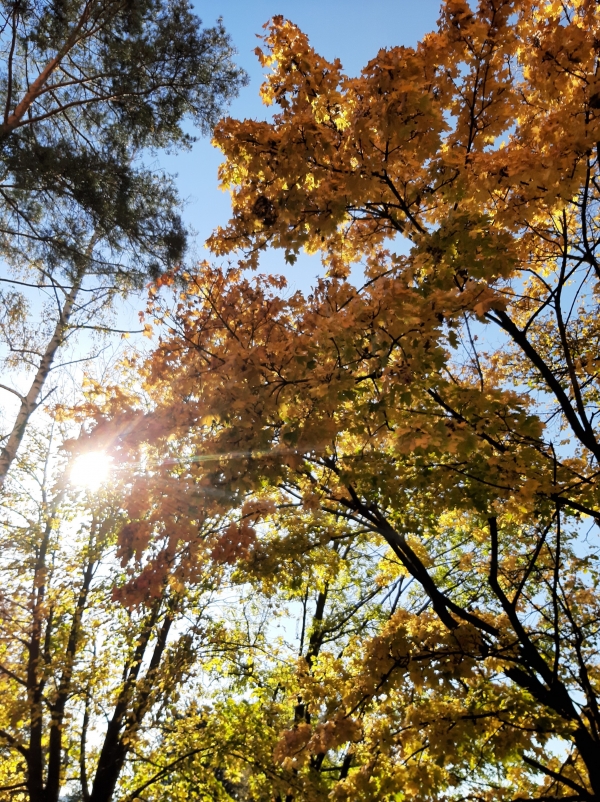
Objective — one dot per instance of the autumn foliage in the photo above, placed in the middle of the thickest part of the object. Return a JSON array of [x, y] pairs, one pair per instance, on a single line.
[[408, 462]]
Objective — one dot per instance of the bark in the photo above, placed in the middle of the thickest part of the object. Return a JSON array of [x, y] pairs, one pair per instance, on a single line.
[[39, 85], [30, 402], [34, 753], [130, 709], [55, 745]]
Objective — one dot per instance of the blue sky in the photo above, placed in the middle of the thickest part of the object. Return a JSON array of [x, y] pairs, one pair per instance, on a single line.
[[352, 31]]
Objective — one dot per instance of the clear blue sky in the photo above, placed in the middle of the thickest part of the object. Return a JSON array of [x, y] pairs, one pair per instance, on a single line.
[[352, 31]]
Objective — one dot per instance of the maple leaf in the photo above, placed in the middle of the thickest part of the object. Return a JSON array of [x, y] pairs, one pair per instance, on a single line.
[[445, 412]]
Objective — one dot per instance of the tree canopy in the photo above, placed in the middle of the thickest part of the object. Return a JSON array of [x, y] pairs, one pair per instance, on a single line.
[[89, 90], [405, 467], [87, 87]]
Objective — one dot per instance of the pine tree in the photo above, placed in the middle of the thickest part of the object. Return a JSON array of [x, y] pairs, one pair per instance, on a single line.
[[88, 89]]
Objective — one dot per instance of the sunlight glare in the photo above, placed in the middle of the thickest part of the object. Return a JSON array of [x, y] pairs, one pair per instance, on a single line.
[[91, 470]]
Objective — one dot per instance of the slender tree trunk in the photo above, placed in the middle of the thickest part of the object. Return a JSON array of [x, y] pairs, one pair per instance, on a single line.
[[30, 402], [127, 715], [39, 86], [55, 745], [35, 758]]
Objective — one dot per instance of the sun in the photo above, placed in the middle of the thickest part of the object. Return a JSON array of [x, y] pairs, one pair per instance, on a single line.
[[91, 470]]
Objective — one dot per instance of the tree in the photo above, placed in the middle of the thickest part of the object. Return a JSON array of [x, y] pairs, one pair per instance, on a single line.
[[88, 88], [449, 406], [369, 697], [90, 688]]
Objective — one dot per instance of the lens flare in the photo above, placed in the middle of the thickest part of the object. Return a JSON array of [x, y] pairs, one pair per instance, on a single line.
[[91, 470]]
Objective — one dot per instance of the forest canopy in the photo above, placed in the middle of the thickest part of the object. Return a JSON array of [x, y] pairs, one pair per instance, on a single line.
[[376, 504]]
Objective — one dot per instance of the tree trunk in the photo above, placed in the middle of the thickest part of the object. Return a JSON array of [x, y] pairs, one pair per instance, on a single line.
[[29, 402]]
